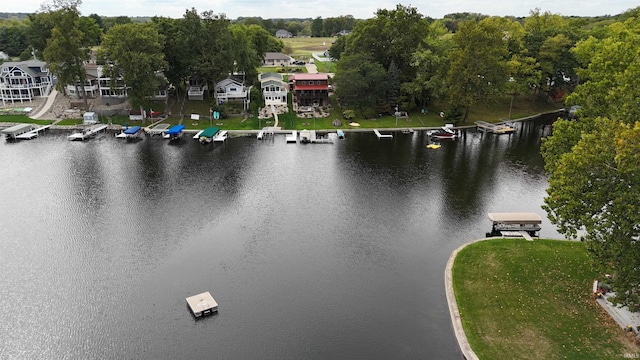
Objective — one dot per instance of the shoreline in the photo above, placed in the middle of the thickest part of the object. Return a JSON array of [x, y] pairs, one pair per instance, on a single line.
[[247, 132]]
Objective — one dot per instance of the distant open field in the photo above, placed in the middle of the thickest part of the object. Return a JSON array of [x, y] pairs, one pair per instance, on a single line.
[[304, 46]]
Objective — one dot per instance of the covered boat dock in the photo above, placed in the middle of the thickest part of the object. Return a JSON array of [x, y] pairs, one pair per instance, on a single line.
[[174, 132], [526, 225], [130, 133], [206, 136], [12, 133]]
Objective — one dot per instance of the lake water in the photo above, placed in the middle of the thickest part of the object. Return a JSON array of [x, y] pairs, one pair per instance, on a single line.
[[319, 251]]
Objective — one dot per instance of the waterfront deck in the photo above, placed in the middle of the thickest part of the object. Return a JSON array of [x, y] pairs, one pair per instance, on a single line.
[[88, 133], [315, 139], [221, 136], [158, 129], [292, 137], [197, 135], [202, 304], [382, 136], [484, 126]]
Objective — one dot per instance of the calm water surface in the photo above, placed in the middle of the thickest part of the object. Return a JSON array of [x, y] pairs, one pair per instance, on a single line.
[[312, 251]]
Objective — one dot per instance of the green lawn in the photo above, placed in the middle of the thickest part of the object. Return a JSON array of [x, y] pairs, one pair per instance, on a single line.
[[23, 119], [532, 300]]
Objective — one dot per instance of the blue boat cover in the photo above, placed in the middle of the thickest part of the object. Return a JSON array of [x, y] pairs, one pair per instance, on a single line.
[[175, 130], [132, 130]]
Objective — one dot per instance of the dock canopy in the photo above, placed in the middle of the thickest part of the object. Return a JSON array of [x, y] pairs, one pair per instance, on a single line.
[[17, 129], [515, 218], [132, 130], [175, 130], [210, 132]]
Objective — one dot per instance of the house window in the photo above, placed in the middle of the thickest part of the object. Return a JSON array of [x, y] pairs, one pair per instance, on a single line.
[[233, 89]]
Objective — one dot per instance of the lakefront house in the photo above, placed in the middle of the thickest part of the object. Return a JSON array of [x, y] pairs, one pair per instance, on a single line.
[[24, 80]]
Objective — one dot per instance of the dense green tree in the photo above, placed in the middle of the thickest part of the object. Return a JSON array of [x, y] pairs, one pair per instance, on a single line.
[[135, 53], [39, 30], [478, 66], [247, 58], [338, 46], [317, 29], [13, 36], [595, 190], [91, 31], [548, 39], [67, 50], [431, 63], [393, 86], [608, 72], [175, 50], [361, 83], [263, 41], [523, 72], [392, 35]]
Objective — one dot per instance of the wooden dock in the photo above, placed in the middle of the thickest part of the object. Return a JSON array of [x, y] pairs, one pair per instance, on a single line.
[[202, 304], [382, 136], [484, 126]]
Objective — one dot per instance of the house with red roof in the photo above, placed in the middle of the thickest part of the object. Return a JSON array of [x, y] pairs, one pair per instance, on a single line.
[[310, 89]]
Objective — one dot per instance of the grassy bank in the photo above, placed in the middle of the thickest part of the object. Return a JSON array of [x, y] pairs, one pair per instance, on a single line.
[[532, 300]]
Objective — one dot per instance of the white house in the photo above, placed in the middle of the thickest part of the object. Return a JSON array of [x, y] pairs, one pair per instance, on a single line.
[[91, 86], [24, 80], [274, 88], [231, 89], [276, 59]]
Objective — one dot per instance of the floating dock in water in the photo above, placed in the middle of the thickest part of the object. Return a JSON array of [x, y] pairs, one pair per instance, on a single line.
[[202, 304], [382, 136], [484, 126]]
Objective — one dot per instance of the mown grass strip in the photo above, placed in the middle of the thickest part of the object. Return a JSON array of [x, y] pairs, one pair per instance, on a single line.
[[532, 300]]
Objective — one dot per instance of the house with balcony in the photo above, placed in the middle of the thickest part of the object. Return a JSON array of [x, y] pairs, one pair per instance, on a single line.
[[274, 89], [196, 89], [114, 91], [231, 89], [24, 80], [310, 89], [91, 86], [276, 59]]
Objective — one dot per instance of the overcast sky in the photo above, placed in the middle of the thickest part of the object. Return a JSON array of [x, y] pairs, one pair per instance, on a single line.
[[361, 9]]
